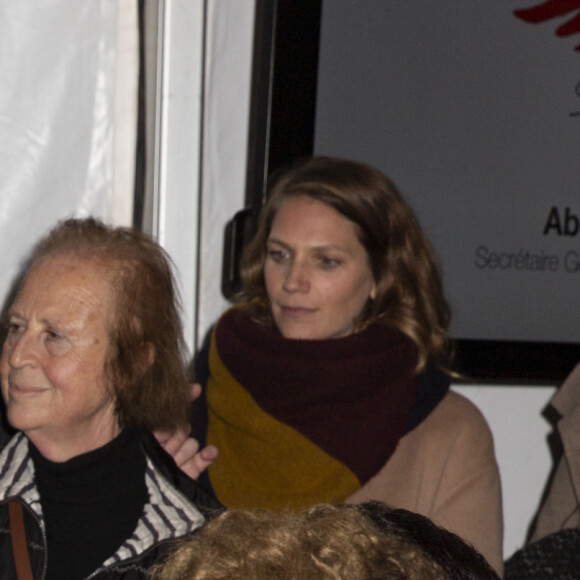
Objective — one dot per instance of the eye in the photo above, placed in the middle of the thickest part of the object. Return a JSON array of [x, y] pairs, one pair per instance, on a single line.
[[14, 330], [14, 327], [56, 343], [54, 336], [278, 255], [328, 263]]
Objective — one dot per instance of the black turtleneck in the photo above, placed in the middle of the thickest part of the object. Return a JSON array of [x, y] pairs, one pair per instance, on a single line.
[[91, 504]]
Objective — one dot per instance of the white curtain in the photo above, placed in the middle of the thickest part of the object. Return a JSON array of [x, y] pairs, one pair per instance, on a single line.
[[62, 151], [68, 109]]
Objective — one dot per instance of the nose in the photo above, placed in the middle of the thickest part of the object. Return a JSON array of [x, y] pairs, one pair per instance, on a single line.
[[19, 349], [297, 278]]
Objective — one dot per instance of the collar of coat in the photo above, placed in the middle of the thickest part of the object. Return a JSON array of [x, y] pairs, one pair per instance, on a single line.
[[167, 516]]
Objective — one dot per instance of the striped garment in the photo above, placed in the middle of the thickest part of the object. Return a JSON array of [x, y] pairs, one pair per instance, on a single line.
[[167, 516]]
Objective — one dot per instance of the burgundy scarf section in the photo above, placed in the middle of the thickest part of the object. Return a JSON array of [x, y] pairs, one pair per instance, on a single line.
[[350, 396]]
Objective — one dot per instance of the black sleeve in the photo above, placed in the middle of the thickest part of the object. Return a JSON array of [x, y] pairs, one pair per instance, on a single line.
[[433, 386]]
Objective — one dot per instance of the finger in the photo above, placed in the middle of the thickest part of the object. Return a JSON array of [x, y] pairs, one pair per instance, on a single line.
[[194, 391], [200, 462], [209, 454], [187, 450], [162, 436], [174, 442]]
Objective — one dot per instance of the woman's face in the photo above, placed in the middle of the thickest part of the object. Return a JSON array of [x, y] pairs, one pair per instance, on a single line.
[[53, 359], [317, 272]]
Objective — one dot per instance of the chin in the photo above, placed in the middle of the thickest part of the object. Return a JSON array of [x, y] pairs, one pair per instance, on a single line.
[[300, 334], [295, 333], [20, 419]]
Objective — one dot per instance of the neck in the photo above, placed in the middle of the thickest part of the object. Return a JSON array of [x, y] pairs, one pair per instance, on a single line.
[[61, 445]]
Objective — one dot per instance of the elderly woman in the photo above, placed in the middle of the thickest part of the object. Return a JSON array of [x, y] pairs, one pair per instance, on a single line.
[[92, 363], [329, 381]]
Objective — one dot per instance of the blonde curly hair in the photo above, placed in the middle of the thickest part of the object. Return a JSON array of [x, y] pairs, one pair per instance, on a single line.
[[326, 542]]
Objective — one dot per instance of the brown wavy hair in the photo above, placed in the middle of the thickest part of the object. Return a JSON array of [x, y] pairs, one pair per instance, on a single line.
[[403, 263], [325, 542], [145, 365]]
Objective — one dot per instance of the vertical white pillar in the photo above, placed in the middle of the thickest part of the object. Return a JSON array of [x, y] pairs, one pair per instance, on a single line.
[[178, 135]]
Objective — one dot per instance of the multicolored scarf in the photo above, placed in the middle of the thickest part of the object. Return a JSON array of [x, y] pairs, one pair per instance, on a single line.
[[299, 422]]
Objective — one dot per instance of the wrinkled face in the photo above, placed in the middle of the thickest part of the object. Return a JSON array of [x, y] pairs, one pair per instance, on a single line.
[[53, 359], [317, 272]]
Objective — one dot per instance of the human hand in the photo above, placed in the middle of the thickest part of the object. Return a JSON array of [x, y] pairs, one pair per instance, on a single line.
[[185, 449]]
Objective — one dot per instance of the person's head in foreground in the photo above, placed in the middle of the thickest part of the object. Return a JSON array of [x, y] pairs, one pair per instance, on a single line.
[[338, 248], [325, 542], [456, 559], [91, 363]]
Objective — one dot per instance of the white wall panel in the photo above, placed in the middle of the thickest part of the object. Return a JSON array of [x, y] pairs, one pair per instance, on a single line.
[[520, 432], [176, 187], [227, 87]]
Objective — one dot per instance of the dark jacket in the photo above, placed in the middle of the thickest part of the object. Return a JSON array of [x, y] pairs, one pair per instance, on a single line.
[[176, 507]]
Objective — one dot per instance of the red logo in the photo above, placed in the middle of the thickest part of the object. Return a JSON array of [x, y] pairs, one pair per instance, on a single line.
[[552, 9]]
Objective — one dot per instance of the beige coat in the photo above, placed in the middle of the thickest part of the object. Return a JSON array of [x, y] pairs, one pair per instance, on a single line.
[[562, 506], [446, 469]]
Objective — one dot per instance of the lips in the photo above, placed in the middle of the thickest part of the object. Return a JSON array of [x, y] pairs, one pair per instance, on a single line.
[[22, 391], [296, 311]]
